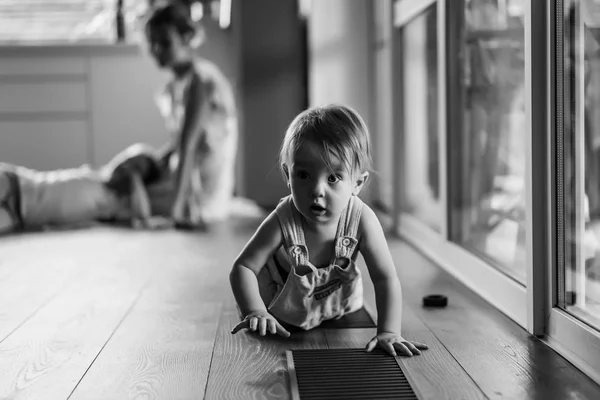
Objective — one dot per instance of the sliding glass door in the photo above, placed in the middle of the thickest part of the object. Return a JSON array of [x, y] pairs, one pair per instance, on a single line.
[[498, 181], [459, 103], [580, 275], [575, 312]]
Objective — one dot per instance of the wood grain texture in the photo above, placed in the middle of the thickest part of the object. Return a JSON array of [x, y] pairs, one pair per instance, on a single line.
[[161, 351], [501, 357], [51, 351], [35, 267], [48, 354], [24, 286], [248, 366]]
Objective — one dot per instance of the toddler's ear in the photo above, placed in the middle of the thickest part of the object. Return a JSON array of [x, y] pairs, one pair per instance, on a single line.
[[360, 182], [286, 174]]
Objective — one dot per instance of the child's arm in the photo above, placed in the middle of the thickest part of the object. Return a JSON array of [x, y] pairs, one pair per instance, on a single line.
[[164, 152], [141, 211], [140, 203], [388, 292], [197, 110], [244, 282]]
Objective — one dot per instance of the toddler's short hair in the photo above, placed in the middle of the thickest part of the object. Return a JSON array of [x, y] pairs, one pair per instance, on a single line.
[[338, 130]]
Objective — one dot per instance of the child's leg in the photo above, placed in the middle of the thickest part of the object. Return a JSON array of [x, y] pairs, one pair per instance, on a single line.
[[140, 203], [6, 222], [10, 199]]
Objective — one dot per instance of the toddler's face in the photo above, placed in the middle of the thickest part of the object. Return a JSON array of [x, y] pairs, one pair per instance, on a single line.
[[320, 194]]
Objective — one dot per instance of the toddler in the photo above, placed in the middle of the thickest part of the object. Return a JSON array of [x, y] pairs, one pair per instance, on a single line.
[[299, 268]]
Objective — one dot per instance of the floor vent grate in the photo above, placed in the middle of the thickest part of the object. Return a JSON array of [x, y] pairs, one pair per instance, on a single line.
[[346, 374]]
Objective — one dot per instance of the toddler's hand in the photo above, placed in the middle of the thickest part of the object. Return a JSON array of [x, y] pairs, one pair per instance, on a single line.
[[262, 322], [391, 342]]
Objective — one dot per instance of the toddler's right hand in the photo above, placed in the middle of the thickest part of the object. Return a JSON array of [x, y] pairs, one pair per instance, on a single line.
[[262, 322]]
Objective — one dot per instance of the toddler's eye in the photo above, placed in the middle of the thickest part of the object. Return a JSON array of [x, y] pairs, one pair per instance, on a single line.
[[334, 178], [302, 174]]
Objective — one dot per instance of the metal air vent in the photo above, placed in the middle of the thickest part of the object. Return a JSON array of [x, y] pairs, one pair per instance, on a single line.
[[346, 374]]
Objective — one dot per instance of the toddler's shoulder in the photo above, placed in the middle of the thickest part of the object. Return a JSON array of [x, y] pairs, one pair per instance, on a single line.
[[368, 222], [270, 230]]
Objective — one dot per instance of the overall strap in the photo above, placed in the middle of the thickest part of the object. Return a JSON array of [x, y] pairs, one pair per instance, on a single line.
[[293, 233], [346, 241]]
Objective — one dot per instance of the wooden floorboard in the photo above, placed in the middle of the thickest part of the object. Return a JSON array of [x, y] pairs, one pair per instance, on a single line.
[[48, 355], [164, 348], [500, 356], [248, 366], [28, 281], [24, 291], [162, 351]]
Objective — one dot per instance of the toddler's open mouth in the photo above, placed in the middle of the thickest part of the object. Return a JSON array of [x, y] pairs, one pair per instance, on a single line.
[[317, 209]]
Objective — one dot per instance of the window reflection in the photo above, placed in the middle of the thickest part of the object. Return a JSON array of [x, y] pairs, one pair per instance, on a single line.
[[487, 184], [581, 118]]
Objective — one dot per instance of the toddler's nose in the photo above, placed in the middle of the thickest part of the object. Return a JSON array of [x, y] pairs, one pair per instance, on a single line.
[[318, 190]]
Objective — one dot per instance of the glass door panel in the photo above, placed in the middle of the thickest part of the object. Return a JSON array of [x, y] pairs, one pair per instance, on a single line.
[[487, 180], [579, 276]]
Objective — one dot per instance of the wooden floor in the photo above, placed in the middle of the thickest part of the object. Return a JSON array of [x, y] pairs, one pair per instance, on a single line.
[[109, 313]]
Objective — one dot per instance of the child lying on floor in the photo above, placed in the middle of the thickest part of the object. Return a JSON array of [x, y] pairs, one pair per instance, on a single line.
[[32, 199], [299, 268]]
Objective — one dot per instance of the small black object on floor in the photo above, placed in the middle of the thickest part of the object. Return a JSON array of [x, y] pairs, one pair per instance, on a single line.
[[346, 374], [435, 300]]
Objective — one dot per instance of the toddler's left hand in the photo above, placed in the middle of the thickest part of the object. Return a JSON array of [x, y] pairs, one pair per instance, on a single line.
[[391, 342]]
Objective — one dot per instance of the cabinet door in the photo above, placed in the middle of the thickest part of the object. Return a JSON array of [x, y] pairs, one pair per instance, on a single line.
[[44, 111], [44, 145], [123, 109]]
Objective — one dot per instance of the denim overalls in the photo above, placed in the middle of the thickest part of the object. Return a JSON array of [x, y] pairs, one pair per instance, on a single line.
[[310, 295]]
